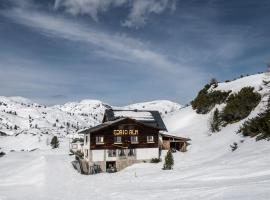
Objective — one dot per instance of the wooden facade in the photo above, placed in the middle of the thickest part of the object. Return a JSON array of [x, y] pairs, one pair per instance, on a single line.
[[127, 126], [174, 142]]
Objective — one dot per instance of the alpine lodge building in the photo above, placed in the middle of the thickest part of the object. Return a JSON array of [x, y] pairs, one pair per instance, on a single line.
[[126, 137]]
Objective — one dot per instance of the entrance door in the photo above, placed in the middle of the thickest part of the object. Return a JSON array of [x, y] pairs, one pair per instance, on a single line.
[[111, 166], [175, 146]]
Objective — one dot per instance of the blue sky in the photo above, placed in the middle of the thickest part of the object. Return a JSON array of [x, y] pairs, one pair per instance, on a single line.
[[127, 51]]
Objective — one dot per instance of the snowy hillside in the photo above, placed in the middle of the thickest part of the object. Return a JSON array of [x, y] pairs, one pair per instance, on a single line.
[[163, 106], [33, 124], [22, 115], [209, 170]]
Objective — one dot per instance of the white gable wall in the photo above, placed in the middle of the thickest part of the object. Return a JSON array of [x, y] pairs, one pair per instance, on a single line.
[[147, 153]]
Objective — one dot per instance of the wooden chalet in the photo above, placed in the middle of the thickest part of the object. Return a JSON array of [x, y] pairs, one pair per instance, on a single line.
[[126, 137]]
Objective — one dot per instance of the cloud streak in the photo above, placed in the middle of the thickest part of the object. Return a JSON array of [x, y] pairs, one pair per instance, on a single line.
[[115, 46], [139, 10]]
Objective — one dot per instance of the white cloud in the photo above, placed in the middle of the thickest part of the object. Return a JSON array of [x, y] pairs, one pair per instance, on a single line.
[[139, 10], [117, 46], [90, 7], [107, 45]]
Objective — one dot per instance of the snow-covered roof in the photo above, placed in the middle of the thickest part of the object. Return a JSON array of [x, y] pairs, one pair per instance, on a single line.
[[109, 123], [147, 117]]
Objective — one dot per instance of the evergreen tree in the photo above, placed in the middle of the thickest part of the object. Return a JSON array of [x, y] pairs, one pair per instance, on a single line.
[[54, 142], [240, 105], [169, 162], [216, 122], [206, 100], [214, 82], [258, 126]]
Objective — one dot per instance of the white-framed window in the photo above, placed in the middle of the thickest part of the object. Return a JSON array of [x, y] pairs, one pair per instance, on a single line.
[[121, 152], [150, 139], [131, 152], [99, 140], [117, 139], [112, 153], [134, 139]]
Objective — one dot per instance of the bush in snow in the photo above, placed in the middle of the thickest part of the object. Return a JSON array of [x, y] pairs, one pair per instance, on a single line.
[[216, 122], [214, 82], [54, 142], [169, 162], [258, 126], [155, 160], [2, 154], [240, 105], [206, 100]]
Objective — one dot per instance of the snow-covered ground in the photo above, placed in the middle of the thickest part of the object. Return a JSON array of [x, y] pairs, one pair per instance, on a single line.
[[209, 170]]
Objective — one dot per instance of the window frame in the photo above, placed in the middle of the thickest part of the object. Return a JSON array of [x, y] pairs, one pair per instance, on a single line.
[[97, 142], [122, 153], [150, 141], [111, 153], [117, 142], [131, 154], [134, 142]]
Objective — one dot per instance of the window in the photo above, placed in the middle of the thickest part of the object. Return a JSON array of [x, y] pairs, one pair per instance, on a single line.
[[131, 152], [150, 139], [117, 139], [121, 152], [112, 153], [134, 139], [86, 139], [99, 140]]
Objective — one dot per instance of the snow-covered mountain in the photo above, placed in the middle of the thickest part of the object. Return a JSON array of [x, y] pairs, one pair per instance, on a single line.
[[163, 106], [24, 118], [208, 170]]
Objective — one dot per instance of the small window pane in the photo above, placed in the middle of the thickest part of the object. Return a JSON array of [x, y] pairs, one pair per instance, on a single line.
[[117, 139], [121, 152], [150, 138], [112, 153], [99, 139], [134, 139], [131, 152]]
